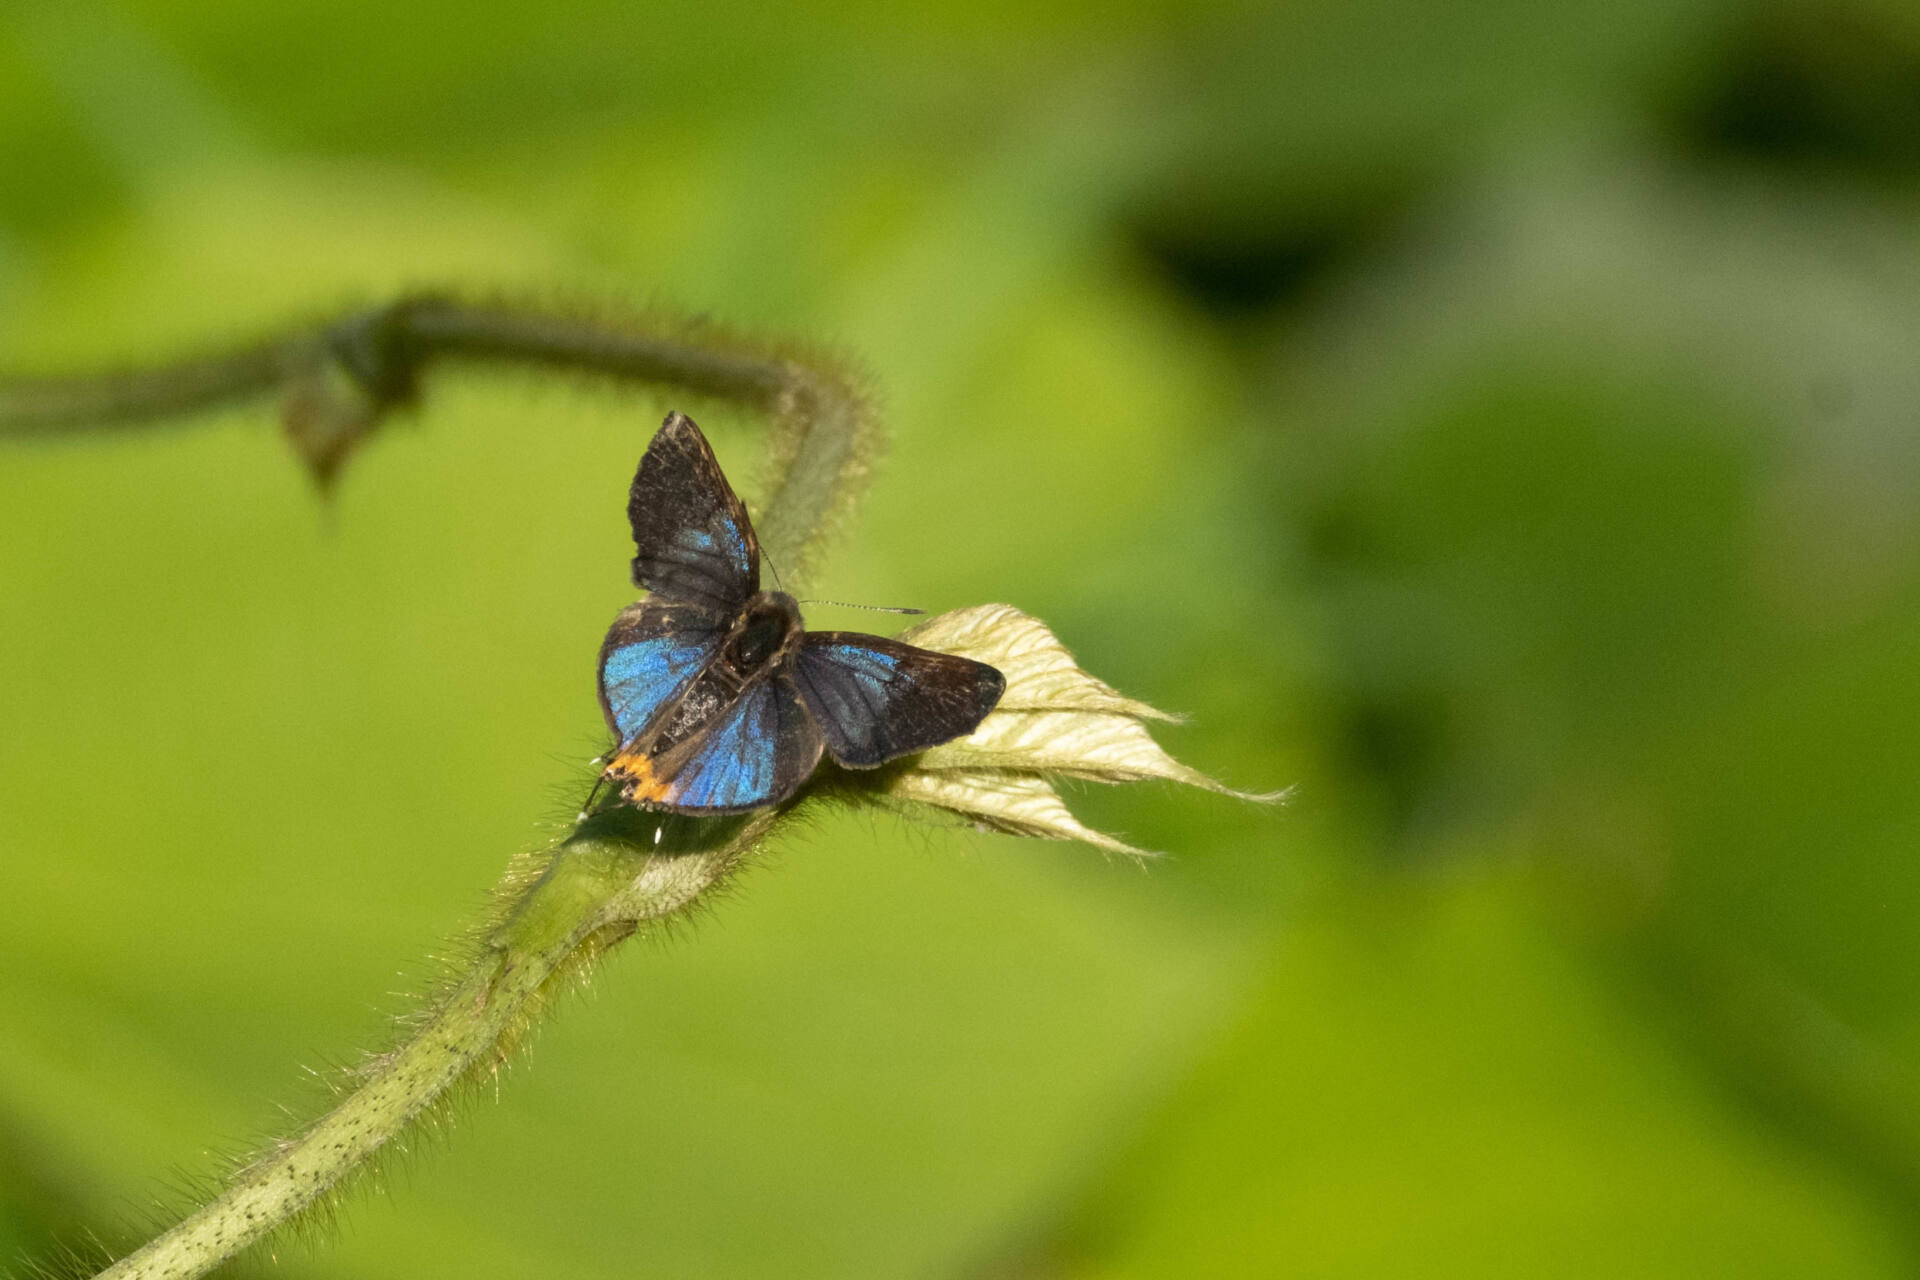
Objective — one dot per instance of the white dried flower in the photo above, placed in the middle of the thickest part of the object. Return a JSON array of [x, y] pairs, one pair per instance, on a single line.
[[1054, 720]]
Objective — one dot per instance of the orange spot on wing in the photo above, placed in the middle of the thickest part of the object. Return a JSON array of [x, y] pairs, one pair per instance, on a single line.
[[635, 774]]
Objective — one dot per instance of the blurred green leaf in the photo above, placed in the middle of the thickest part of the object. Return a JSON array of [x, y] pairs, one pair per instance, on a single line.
[[1429, 1084]]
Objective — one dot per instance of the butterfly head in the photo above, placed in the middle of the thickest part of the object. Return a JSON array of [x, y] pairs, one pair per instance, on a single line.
[[766, 632]]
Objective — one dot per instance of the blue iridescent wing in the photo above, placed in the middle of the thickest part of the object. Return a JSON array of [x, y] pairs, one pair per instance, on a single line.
[[691, 679], [745, 754], [690, 530], [652, 655], [876, 699]]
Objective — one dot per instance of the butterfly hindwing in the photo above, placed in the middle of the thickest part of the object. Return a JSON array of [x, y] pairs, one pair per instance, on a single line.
[[654, 652], [690, 529], [749, 753], [877, 699]]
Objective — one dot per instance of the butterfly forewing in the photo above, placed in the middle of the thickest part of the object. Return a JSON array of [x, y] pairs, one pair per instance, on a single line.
[[878, 699], [690, 529]]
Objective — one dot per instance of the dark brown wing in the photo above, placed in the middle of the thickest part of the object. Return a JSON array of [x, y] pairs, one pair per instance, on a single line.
[[878, 699], [694, 541]]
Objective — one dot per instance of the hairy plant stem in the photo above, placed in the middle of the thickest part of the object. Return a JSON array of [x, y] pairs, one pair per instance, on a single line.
[[621, 869], [603, 884], [339, 379]]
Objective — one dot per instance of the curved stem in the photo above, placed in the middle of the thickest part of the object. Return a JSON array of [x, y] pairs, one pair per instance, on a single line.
[[622, 868], [340, 379], [598, 887], [32, 406]]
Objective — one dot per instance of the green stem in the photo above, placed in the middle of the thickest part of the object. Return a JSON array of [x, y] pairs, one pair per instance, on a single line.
[[340, 379], [135, 397], [602, 885], [622, 868]]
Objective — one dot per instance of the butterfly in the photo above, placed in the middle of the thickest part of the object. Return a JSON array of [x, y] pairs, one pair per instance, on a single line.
[[721, 700]]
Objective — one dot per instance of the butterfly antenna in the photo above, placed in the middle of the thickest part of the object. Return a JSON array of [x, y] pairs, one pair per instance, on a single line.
[[841, 604], [875, 608]]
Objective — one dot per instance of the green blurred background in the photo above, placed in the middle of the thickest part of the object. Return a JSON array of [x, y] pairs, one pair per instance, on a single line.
[[1497, 418]]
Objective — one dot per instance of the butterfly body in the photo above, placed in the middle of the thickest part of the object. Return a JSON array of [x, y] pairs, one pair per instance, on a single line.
[[721, 699]]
